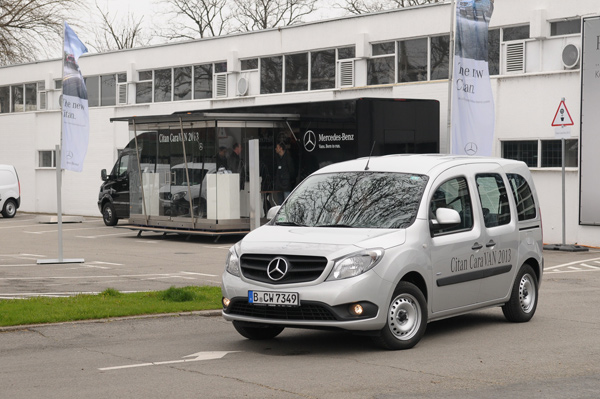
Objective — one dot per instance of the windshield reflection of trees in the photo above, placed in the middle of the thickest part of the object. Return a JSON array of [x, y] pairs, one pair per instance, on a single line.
[[358, 199]]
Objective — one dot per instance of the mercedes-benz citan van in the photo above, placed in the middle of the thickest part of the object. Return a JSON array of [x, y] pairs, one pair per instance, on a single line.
[[382, 246]]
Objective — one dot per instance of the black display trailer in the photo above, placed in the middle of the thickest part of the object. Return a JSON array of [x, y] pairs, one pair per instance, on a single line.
[[189, 172]]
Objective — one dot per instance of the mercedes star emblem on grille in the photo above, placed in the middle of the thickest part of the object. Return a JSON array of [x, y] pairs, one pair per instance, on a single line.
[[277, 268]]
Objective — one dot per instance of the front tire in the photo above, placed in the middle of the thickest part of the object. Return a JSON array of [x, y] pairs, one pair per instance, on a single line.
[[10, 209], [406, 318], [524, 296], [260, 332], [109, 215]]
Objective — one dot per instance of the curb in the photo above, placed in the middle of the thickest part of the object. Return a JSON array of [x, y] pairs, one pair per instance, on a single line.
[[202, 313]]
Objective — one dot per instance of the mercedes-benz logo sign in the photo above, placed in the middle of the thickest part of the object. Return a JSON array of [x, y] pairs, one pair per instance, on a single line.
[[471, 148], [69, 155], [310, 141], [277, 268]]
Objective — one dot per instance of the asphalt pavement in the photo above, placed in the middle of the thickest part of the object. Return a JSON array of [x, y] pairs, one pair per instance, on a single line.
[[479, 355]]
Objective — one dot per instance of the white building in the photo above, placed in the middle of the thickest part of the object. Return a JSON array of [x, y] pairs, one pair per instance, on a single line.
[[394, 54]]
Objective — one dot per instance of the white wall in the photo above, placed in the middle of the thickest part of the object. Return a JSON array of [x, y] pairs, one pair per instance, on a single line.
[[525, 103]]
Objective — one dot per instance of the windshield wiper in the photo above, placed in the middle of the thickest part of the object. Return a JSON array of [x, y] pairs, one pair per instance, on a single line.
[[289, 224], [335, 225]]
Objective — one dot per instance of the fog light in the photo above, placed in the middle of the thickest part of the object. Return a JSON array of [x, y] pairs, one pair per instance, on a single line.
[[356, 309], [226, 302]]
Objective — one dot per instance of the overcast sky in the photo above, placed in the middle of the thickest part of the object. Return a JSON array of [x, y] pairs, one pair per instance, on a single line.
[[153, 16]]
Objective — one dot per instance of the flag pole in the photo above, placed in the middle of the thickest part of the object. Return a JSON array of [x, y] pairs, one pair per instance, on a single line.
[[450, 77], [58, 150]]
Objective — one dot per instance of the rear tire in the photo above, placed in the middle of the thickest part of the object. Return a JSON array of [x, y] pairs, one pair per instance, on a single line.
[[109, 215], [260, 332], [10, 209], [406, 318], [524, 296]]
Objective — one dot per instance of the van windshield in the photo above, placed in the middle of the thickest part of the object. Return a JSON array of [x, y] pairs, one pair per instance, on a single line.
[[355, 199]]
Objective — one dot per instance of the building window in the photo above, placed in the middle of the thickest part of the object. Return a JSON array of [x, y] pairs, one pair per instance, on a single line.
[[296, 72], [345, 53], [250, 64], [203, 81], [102, 90], [494, 51], [58, 84], [92, 84], [47, 159], [552, 153], [162, 85], [515, 33], [412, 60], [547, 154], [526, 151], [23, 97], [182, 83], [271, 74], [569, 27], [143, 89], [439, 58], [4, 100], [380, 68], [108, 90], [322, 69]]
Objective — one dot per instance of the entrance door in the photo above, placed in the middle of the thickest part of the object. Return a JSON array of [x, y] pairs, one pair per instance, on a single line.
[[455, 284]]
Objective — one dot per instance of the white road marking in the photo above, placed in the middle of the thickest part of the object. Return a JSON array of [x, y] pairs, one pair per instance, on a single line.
[[105, 235], [570, 263], [196, 357], [144, 276], [56, 231]]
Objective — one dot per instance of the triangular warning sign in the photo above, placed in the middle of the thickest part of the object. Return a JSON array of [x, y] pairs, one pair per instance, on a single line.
[[562, 116]]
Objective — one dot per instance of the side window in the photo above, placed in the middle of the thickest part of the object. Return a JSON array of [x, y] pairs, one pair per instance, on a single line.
[[123, 166], [454, 194], [523, 197], [494, 199]]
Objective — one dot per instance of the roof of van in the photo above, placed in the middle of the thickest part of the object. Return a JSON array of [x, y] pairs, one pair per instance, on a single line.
[[423, 164]]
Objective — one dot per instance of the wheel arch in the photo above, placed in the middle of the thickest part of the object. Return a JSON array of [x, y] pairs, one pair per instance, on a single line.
[[536, 266], [417, 279]]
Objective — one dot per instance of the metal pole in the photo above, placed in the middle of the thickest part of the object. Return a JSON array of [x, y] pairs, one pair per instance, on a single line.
[[59, 199], [450, 78], [187, 176], [139, 166], [254, 172], [563, 192]]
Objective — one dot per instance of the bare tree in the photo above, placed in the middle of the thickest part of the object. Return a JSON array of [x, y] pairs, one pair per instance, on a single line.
[[368, 6], [193, 19], [120, 34], [32, 28], [264, 14]]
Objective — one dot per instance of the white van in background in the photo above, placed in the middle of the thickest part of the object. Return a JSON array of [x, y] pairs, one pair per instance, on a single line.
[[10, 191]]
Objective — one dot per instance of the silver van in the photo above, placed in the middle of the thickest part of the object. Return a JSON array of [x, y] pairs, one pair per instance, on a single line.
[[381, 246], [10, 191]]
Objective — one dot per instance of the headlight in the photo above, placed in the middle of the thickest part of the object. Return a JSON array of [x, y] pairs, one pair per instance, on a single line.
[[356, 264], [232, 264]]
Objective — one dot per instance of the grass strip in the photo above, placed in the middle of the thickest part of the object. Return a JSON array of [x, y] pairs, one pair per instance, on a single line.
[[109, 303]]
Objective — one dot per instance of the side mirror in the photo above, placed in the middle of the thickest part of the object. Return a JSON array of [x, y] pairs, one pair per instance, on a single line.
[[272, 212], [444, 218], [447, 217], [103, 175]]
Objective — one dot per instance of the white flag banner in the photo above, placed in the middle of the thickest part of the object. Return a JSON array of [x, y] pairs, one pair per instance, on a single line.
[[473, 116], [75, 116]]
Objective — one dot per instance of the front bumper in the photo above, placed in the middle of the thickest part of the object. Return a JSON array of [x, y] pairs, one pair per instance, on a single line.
[[322, 305]]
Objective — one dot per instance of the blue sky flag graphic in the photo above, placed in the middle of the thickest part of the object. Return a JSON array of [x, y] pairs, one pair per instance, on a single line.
[[75, 115]]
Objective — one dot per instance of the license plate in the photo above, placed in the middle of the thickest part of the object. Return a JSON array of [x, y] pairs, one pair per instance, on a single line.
[[274, 298]]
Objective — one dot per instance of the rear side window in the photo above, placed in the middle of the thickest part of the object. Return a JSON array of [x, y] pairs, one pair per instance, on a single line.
[[454, 194], [526, 208], [494, 199]]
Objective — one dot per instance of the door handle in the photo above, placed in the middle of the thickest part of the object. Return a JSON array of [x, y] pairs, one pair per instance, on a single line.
[[476, 246], [490, 244]]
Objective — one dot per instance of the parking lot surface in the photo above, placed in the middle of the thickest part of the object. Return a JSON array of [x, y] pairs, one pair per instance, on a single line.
[[480, 355]]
